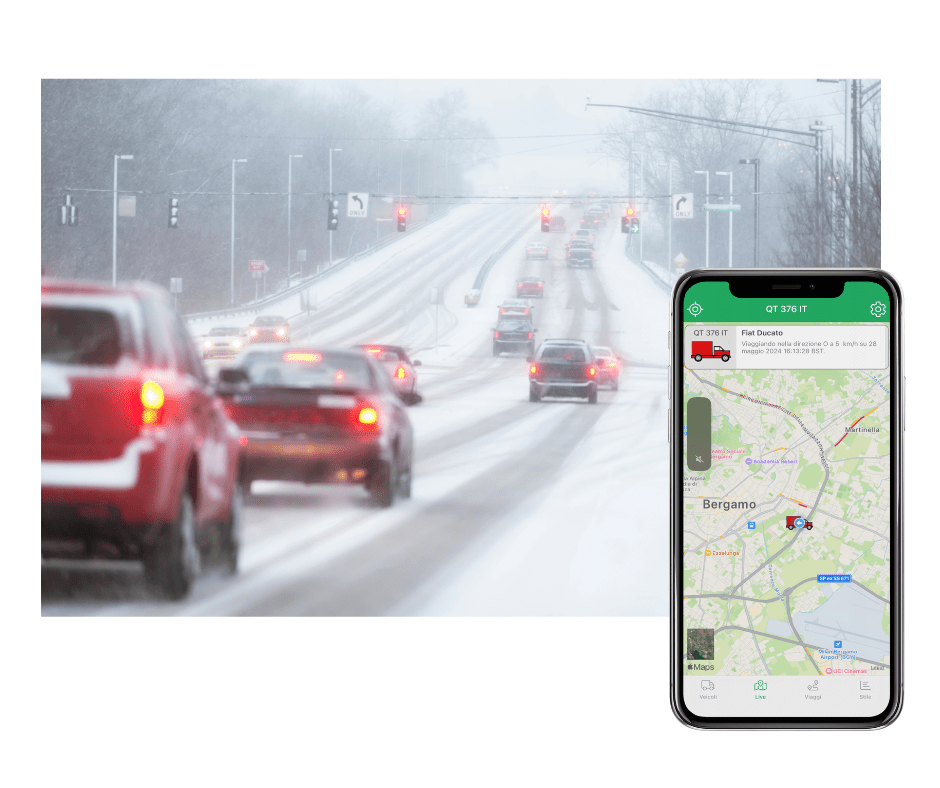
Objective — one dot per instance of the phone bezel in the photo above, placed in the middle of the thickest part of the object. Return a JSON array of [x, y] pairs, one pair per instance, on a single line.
[[825, 279]]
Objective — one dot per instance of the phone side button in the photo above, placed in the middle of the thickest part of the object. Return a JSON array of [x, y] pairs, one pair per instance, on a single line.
[[904, 406], [669, 382], [669, 426]]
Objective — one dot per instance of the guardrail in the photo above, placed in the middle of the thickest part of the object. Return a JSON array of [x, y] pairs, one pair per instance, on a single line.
[[257, 306], [491, 260], [657, 273]]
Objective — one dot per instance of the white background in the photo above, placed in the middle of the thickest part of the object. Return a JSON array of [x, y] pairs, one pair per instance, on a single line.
[[438, 702]]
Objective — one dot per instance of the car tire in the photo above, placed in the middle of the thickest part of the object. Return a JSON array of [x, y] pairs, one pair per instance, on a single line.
[[172, 564], [697, 358], [495, 350], [404, 477], [725, 358], [231, 531], [592, 397], [532, 348], [382, 486], [534, 395], [615, 385]]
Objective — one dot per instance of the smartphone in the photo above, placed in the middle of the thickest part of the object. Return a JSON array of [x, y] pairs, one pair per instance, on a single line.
[[786, 428]]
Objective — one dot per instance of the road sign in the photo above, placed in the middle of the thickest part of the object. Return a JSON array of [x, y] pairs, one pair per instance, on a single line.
[[257, 274], [257, 265], [301, 255], [680, 260], [720, 206], [176, 285], [682, 206], [357, 205]]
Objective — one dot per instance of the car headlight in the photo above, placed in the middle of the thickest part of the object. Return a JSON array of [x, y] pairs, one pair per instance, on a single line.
[[207, 344], [237, 344], [280, 332]]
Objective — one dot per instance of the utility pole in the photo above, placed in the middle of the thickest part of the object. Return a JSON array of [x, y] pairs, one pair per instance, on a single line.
[[756, 163], [114, 224], [290, 160], [669, 222], [705, 173], [644, 207], [234, 162], [332, 151]]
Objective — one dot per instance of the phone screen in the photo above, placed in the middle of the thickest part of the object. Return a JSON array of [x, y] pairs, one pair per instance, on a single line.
[[786, 503]]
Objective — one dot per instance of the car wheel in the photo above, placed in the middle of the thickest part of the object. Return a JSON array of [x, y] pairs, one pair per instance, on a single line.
[[532, 348], [725, 358], [231, 535], [533, 395], [495, 350], [382, 486], [615, 385], [592, 397], [697, 358], [404, 477], [172, 564]]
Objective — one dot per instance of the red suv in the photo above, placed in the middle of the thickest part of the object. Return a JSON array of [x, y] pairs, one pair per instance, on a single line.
[[139, 460]]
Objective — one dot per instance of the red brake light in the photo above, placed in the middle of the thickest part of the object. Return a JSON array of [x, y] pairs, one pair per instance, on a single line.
[[368, 416], [534, 369], [592, 371], [496, 335], [340, 376], [530, 335], [374, 350], [401, 374], [152, 398]]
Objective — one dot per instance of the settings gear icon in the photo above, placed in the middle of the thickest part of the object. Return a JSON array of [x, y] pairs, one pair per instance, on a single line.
[[695, 309], [878, 309]]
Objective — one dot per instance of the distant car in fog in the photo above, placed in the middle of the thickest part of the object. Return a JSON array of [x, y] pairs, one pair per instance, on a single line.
[[579, 256], [530, 286], [269, 328], [563, 368], [224, 341], [400, 368], [309, 415], [537, 250], [584, 234], [515, 308], [514, 333], [138, 462], [557, 223], [609, 365], [592, 221]]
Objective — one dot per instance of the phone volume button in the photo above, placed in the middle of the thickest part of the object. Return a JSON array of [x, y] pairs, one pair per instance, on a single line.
[[669, 382], [669, 426]]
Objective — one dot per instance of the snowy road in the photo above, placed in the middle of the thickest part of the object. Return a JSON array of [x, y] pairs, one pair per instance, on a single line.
[[518, 508]]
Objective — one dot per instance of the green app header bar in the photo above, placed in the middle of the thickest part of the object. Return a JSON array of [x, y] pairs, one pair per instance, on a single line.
[[860, 302]]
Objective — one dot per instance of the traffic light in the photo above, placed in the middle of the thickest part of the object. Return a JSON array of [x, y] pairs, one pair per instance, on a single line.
[[174, 212], [630, 221], [546, 216], [402, 215], [332, 214]]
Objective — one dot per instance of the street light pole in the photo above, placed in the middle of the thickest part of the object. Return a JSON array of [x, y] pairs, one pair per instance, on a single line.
[[290, 161], [756, 163], [705, 173], [337, 150], [730, 213], [114, 223], [234, 162]]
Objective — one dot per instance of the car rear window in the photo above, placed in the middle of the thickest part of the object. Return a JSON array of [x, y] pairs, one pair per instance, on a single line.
[[73, 335], [563, 353], [307, 369], [513, 325]]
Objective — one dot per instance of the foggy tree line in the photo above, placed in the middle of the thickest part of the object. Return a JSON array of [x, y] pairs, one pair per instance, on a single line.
[[184, 134], [793, 228]]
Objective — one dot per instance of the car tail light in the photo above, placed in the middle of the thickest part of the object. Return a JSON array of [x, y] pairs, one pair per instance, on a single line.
[[400, 373], [368, 416], [592, 371], [152, 398], [530, 335], [280, 332], [311, 357], [534, 369], [340, 376], [496, 335], [502, 311], [540, 286], [374, 350], [365, 417]]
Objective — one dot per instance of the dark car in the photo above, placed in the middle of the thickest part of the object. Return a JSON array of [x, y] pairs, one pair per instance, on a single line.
[[563, 368], [608, 367], [224, 341], [139, 461], [579, 255], [314, 415], [513, 333], [400, 368], [592, 221], [269, 328], [530, 286]]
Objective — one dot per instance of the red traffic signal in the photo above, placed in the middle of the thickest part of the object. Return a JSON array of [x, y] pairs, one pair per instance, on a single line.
[[631, 211], [401, 218]]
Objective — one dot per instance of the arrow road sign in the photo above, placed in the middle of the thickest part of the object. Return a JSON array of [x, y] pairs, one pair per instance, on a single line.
[[357, 205], [682, 206], [257, 265]]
